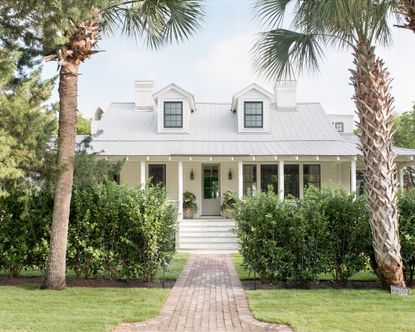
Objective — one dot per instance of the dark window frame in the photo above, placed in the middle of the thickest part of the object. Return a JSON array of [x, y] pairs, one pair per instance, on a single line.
[[166, 117], [164, 174], [249, 185], [265, 176], [253, 116], [341, 128]]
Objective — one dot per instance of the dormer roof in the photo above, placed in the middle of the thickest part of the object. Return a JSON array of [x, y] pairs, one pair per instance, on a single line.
[[250, 87], [173, 86]]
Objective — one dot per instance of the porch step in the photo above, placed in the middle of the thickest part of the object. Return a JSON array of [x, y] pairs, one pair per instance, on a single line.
[[207, 235]]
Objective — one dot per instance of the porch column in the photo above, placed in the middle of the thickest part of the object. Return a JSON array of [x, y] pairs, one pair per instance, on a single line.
[[353, 176], [240, 180], [143, 174], [281, 180], [401, 173], [180, 200]]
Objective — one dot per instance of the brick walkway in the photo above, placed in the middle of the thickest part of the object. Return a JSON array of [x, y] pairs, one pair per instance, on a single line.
[[208, 296]]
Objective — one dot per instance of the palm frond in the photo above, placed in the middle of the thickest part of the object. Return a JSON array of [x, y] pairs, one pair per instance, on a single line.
[[282, 53], [157, 22], [270, 13]]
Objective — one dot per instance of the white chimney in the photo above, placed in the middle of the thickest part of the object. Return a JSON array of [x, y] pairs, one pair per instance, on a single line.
[[143, 91], [286, 94]]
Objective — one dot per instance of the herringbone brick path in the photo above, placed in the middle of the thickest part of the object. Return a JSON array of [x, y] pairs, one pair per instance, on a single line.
[[208, 296]]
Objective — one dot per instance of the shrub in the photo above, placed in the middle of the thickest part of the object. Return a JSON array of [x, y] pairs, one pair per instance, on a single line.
[[189, 201], [276, 240], [119, 231], [406, 205], [347, 239], [297, 240], [229, 200], [25, 218]]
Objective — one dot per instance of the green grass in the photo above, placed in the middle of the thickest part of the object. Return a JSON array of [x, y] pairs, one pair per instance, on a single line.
[[76, 309], [248, 275], [335, 310]]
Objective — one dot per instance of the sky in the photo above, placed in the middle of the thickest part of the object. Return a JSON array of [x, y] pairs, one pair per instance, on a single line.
[[215, 63]]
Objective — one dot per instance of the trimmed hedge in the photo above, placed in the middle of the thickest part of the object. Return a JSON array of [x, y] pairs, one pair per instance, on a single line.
[[297, 240], [114, 231]]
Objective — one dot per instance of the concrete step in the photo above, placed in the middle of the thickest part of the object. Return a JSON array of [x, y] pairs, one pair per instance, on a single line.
[[206, 240], [206, 229], [205, 233], [208, 246], [210, 251], [227, 223]]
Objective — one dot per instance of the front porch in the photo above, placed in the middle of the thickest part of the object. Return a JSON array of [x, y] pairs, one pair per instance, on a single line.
[[209, 177]]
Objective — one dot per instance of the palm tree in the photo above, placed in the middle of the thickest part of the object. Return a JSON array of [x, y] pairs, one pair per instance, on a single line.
[[358, 25], [406, 8], [158, 22]]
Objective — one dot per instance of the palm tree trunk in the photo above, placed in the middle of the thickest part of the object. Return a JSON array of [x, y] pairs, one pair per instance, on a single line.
[[374, 105], [68, 88]]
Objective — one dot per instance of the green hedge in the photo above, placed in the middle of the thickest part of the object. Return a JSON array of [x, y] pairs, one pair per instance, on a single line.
[[114, 231], [297, 240]]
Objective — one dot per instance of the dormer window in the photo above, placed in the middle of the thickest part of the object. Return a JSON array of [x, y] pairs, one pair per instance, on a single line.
[[253, 114], [173, 114], [339, 126]]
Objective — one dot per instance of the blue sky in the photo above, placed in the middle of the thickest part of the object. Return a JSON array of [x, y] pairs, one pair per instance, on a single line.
[[215, 63]]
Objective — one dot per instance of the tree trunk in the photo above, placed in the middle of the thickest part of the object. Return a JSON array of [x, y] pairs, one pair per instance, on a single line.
[[68, 88], [374, 105]]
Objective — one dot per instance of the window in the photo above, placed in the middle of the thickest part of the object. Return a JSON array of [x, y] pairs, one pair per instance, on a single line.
[[157, 174], [269, 177], [312, 175], [173, 114], [253, 114], [292, 180], [249, 177], [339, 127], [360, 183]]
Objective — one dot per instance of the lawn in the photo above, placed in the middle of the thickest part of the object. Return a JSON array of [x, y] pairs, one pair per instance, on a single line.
[[248, 275], [76, 309], [25, 308], [335, 310]]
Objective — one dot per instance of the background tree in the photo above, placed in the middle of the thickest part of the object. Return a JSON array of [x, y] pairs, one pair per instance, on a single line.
[[83, 125], [404, 136], [27, 125], [358, 25]]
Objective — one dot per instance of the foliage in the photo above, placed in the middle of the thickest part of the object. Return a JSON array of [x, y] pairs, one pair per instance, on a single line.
[[25, 218], [120, 232], [404, 136], [90, 169], [406, 205], [347, 243], [297, 240], [83, 125], [229, 200], [26, 125], [189, 201]]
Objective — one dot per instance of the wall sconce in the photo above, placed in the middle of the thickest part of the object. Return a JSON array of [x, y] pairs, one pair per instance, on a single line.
[[192, 175], [230, 174]]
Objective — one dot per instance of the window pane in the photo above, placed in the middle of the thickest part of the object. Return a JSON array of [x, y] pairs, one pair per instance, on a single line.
[[360, 183], [173, 114], [210, 182], [292, 180], [157, 174], [249, 178], [339, 126], [312, 175], [253, 114], [269, 177]]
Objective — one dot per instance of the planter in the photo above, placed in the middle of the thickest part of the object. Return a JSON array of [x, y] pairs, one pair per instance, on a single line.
[[227, 214], [188, 213]]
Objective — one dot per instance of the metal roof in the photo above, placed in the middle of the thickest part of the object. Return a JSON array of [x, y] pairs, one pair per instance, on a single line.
[[305, 131]]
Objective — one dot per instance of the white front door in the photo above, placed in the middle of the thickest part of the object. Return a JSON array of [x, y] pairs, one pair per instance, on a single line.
[[211, 190]]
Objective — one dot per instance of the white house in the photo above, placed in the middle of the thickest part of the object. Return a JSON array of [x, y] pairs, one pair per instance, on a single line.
[[260, 138]]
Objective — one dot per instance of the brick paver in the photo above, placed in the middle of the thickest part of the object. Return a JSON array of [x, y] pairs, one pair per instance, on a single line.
[[208, 296]]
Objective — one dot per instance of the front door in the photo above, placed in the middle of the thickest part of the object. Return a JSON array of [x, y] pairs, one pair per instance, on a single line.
[[211, 190]]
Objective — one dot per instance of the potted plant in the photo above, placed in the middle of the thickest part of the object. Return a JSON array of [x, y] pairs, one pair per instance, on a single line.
[[229, 200], [189, 205]]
